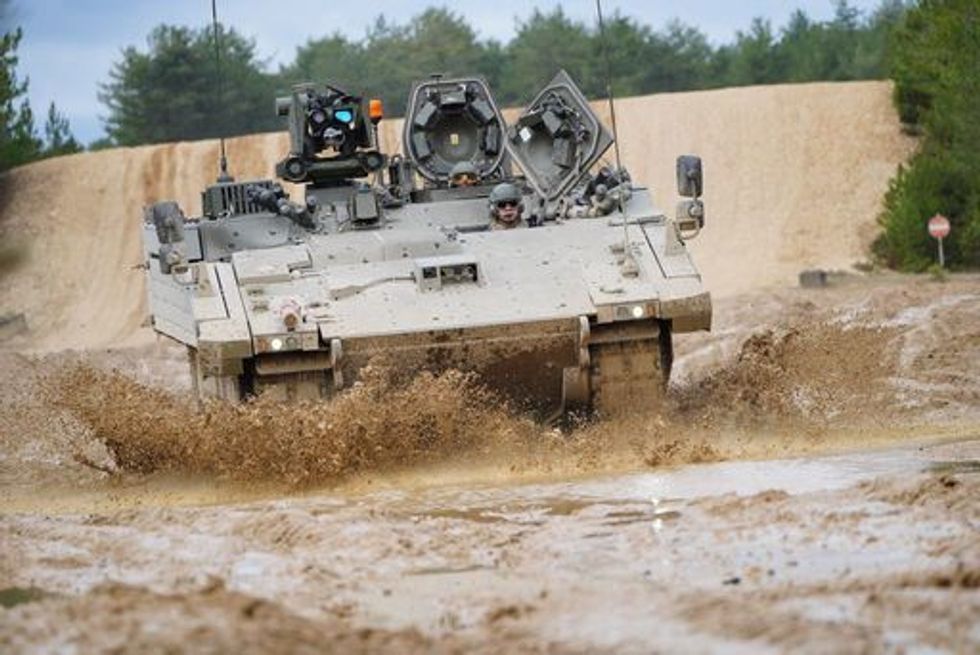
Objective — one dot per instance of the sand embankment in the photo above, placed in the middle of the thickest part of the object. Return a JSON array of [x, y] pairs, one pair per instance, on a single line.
[[794, 176]]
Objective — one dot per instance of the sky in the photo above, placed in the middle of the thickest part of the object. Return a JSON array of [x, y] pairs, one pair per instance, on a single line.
[[69, 46]]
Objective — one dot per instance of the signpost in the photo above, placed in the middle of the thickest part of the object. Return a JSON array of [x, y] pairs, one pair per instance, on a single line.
[[939, 230]]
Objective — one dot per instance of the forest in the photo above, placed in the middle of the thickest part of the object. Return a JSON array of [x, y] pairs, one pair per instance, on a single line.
[[173, 88], [165, 92]]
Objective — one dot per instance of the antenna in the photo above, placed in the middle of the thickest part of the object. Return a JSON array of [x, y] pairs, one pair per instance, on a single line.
[[629, 264], [223, 175], [609, 91]]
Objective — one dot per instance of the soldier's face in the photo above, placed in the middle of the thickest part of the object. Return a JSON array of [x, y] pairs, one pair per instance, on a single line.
[[508, 211], [465, 179]]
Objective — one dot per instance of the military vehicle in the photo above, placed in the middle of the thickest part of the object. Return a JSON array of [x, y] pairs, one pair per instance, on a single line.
[[384, 257]]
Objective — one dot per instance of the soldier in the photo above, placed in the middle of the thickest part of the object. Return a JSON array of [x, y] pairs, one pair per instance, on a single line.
[[506, 207], [463, 174]]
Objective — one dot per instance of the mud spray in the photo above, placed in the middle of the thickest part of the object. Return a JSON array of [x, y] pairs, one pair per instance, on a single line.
[[787, 391]]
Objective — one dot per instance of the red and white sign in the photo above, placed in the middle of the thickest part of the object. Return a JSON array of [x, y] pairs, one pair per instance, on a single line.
[[939, 227]]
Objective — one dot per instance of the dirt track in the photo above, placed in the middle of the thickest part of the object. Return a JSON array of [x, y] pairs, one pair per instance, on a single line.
[[810, 486], [798, 493]]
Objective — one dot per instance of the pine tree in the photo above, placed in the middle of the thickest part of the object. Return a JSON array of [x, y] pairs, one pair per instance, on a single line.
[[58, 139], [18, 142]]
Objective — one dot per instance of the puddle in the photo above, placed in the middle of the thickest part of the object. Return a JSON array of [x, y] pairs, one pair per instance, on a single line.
[[164, 490], [570, 548], [13, 596], [659, 497], [744, 478], [956, 467], [526, 513], [629, 518], [444, 570], [629, 515], [475, 515]]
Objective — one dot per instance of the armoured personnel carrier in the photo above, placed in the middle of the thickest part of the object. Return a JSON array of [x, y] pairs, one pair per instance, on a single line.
[[387, 255]]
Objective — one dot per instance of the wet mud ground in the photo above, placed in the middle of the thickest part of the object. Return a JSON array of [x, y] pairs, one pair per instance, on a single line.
[[811, 485]]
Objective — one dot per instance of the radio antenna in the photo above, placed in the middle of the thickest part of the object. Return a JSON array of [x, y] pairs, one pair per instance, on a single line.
[[223, 175], [629, 264]]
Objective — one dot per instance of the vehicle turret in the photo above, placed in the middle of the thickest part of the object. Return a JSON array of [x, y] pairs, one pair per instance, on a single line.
[[331, 139]]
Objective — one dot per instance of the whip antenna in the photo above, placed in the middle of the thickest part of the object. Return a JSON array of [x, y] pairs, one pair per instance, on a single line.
[[609, 91], [223, 175], [629, 263]]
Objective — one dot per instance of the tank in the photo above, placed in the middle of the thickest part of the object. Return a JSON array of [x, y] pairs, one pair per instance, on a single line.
[[572, 305]]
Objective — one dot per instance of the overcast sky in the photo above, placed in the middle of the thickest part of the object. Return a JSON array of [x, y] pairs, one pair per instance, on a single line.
[[70, 45]]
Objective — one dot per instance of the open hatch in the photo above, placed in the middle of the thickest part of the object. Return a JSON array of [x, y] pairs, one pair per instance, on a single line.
[[452, 121], [557, 138]]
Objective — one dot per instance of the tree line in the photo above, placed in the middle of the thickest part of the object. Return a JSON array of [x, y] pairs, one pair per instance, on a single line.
[[20, 141], [936, 68], [172, 89], [168, 91]]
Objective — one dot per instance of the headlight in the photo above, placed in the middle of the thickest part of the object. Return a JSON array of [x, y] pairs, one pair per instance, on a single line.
[[291, 341], [633, 311]]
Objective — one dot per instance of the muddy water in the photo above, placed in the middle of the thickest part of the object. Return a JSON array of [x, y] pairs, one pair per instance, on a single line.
[[623, 562], [814, 489], [606, 535]]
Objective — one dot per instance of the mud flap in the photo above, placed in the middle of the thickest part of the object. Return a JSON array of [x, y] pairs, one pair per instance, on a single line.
[[337, 363], [627, 367], [575, 388], [230, 387]]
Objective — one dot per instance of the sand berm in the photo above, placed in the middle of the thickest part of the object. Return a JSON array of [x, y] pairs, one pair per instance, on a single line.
[[794, 176]]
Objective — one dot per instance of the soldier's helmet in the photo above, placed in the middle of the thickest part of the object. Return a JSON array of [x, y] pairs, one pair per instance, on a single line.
[[464, 173], [503, 193]]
